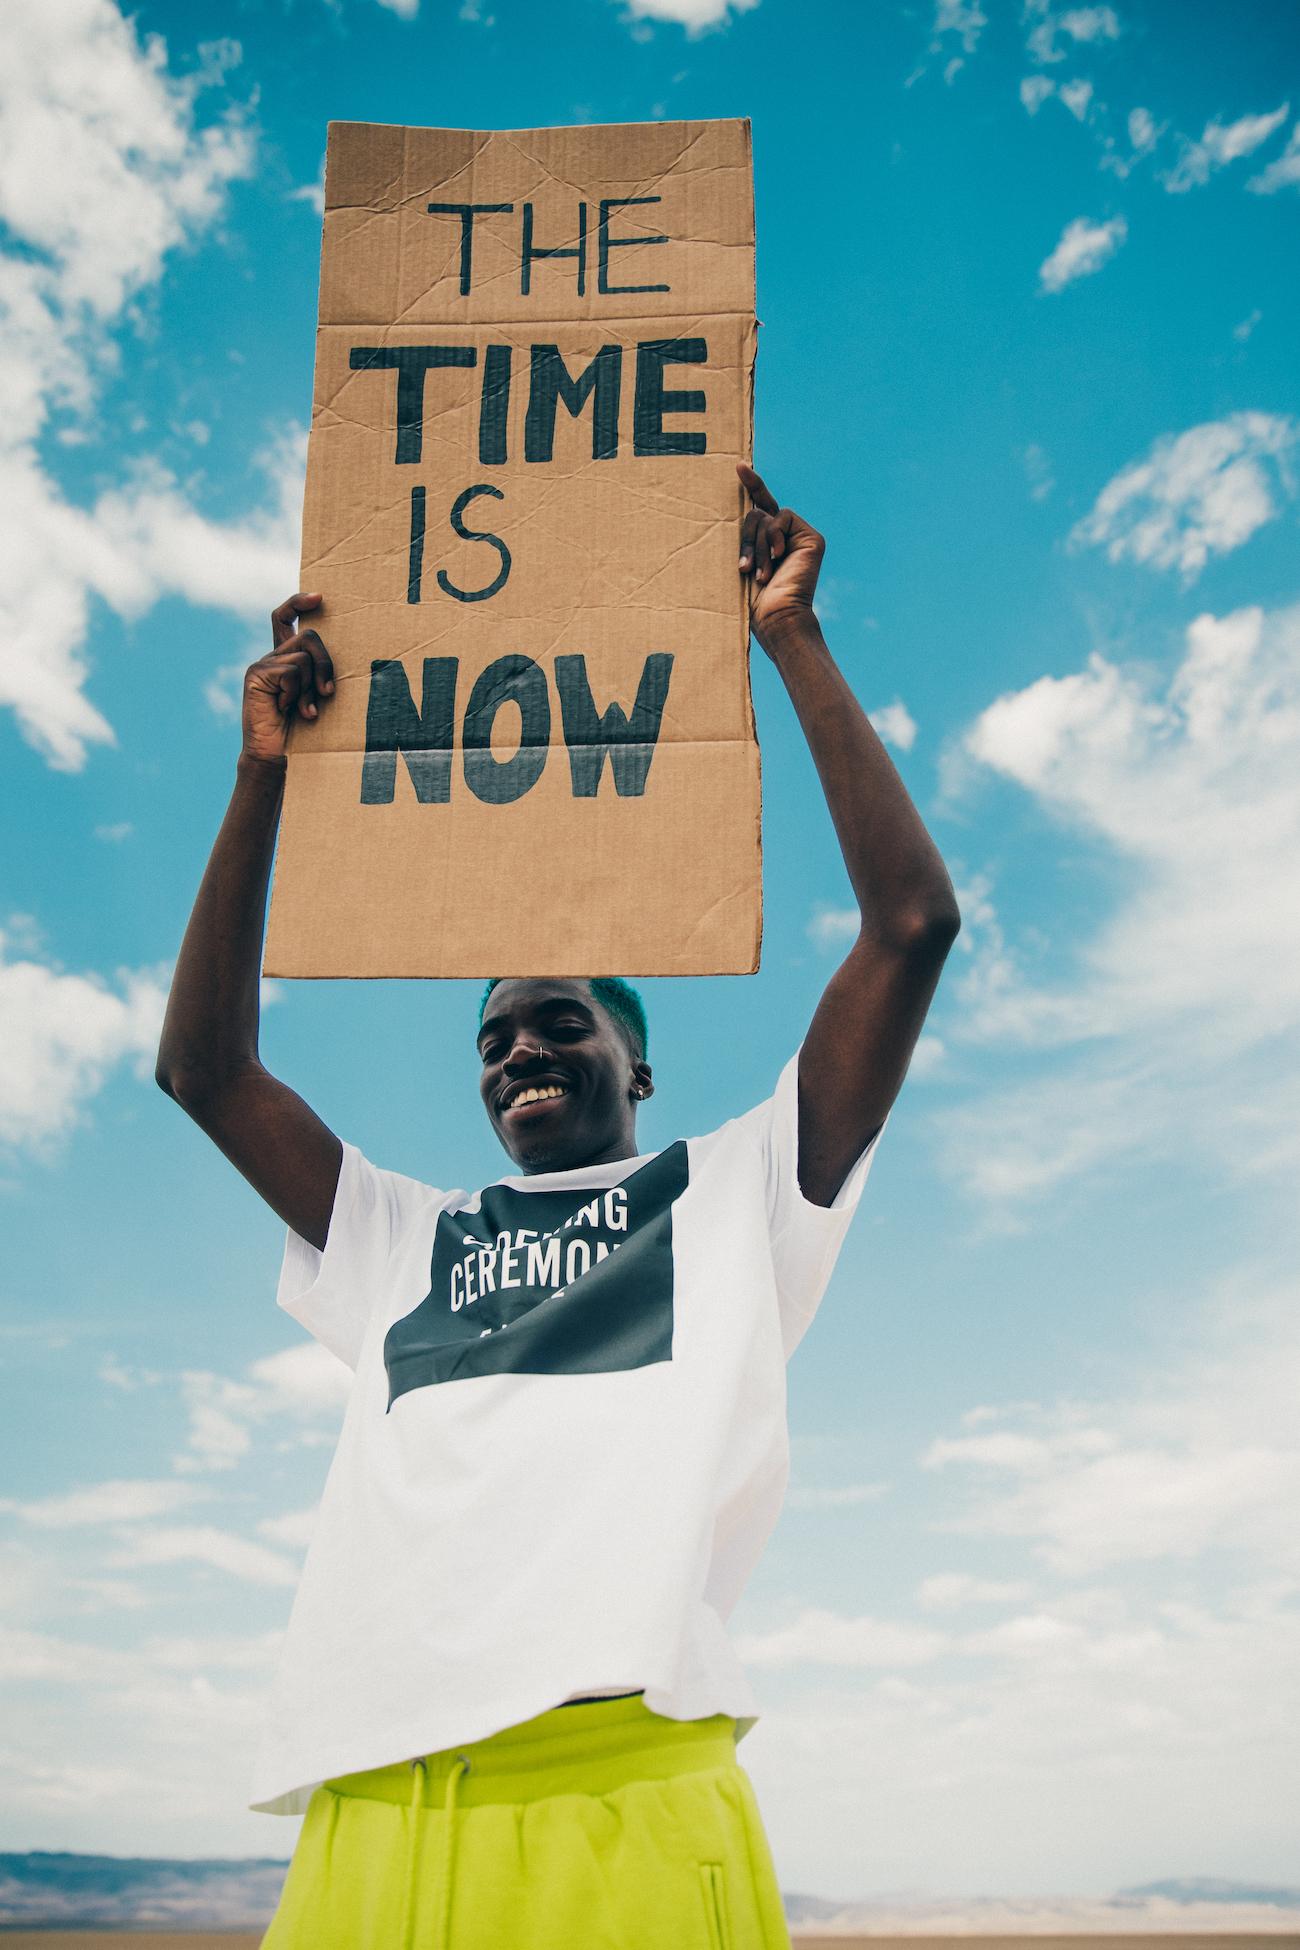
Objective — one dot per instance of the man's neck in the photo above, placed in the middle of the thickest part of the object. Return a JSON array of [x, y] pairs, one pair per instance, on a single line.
[[619, 1148]]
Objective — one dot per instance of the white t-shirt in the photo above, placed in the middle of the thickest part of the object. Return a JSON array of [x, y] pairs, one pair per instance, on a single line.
[[565, 1445]]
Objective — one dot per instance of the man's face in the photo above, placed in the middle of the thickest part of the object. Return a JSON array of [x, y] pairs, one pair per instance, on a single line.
[[550, 1042]]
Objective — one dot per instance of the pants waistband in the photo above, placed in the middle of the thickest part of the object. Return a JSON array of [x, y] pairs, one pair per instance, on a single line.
[[589, 1747]]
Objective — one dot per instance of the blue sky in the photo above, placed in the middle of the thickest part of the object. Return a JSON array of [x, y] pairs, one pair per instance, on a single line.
[[1027, 285]]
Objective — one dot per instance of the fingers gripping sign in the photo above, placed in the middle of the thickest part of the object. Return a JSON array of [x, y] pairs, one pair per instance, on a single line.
[[781, 555], [292, 680]]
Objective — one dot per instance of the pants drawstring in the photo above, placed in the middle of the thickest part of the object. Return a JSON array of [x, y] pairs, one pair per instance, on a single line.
[[419, 1773]]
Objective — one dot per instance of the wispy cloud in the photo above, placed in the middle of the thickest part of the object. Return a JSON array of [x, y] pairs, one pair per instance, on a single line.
[[119, 1501], [302, 1391], [829, 926], [816, 1636], [1195, 494], [895, 724], [848, 1496], [1283, 173], [1220, 144], [206, 1544], [1054, 35], [1082, 249], [696, 16], [61, 1035], [951, 1590], [1207, 1457], [1180, 1028]]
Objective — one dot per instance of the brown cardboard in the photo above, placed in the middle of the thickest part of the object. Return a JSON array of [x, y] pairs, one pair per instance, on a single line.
[[438, 857]]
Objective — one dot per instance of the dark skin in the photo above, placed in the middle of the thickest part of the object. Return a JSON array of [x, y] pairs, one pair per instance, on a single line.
[[553, 1033], [556, 1034]]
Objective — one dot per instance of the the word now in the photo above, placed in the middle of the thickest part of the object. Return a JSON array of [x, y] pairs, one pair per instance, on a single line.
[[425, 737]]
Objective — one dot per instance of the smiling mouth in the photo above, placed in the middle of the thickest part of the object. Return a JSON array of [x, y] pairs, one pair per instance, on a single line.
[[535, 1095]]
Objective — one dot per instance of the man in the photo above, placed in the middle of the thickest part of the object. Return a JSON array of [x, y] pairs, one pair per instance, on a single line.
[[565, 1445]]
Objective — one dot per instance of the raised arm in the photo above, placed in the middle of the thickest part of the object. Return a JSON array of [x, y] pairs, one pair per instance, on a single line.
[[864, 1029], [207, 1059]]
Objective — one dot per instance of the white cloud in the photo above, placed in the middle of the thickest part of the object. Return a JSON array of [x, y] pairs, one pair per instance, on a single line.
[[964, 18], [696, 16], [1181, 1009], [820, 1637], [105, 171], [138, 543], [114, 833], [1081, 26], [929, 1059], [1246, 326], [293, 1530], [300, 1388], [1082, 248], [1195, 494], [828, 926], [1142, 131], [1038, 471], [168, 1718], [895, 724], [118, 1501], [304, 1379], [1284, 170], [1134, 1622], [1221, 144], [1076, 96], [312, 194], [204, 1544], [1206, 1458], [845, 1497], [950, 1590], [60, 1036]]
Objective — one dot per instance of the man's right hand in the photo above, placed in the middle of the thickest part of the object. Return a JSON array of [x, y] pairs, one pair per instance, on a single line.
[[292, 680]]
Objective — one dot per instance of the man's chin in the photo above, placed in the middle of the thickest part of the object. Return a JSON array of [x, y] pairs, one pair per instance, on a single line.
[[539, 1151]]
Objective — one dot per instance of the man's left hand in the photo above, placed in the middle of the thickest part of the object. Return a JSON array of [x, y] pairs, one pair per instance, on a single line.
[[781, 554]]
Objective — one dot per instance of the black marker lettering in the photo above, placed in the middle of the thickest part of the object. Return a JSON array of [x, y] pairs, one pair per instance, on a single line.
[[606, 244], [652, 402], [494, 408], [467, 213], [510, 680], [630, 742], [528, 251], [424, 738], [458, 507], [415, 569], [550, 382], [410, 362]]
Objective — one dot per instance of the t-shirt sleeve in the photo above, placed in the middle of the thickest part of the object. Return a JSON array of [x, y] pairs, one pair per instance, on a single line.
[[333, 1292], [806, 1238]]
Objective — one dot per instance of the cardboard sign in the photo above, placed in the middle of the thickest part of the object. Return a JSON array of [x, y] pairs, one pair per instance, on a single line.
[[534, 376]]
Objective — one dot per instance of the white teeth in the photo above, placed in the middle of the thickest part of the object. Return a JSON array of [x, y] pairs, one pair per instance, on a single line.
[[533, 1096]]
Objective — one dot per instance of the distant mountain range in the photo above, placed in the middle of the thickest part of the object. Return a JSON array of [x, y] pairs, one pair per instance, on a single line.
[[50, 1889]]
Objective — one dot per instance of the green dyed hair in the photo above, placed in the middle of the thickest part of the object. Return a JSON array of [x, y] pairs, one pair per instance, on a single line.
[[618, 999]]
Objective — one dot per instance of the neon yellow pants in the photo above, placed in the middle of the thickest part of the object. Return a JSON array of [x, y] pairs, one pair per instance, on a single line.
[[600, 1826]]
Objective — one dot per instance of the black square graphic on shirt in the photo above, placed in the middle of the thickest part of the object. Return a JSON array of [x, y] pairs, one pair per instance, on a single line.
[[547, 1283]]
